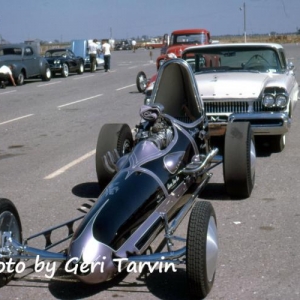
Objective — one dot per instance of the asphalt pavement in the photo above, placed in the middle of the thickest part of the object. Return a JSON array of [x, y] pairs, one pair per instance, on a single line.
[[48, 135]]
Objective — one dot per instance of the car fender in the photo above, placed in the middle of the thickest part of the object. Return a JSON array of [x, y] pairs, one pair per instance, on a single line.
[[19, 68], [43, 65]]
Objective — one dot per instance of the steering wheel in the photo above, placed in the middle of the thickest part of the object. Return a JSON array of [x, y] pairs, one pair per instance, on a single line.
[[256, 62]]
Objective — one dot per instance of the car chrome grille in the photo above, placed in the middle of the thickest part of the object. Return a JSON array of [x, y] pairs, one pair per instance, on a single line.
[[257, 107], [237, 107], [226, 107]]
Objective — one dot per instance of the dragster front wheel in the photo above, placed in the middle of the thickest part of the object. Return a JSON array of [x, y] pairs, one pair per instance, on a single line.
[[201, 250], [9, 222]]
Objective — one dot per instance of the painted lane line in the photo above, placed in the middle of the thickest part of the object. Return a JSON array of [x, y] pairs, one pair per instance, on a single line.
[[93, 97], [70, 165], [16, 119], [8, 92], [133, 67], [125, 87], [46, 84]]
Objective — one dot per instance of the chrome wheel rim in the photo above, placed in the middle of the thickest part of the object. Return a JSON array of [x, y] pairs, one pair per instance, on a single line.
[[252, 159], [48, 73], [212, 249], [9, 223], [143, 82], [66, 70]]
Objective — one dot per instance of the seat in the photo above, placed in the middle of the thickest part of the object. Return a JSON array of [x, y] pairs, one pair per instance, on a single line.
[[176, 89]]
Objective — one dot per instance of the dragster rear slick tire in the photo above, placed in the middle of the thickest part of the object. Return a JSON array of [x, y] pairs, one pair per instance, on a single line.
[[239, 160], [111, 136]]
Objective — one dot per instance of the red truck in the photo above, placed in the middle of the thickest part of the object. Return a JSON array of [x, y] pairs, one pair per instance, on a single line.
[[174, 45], [181, 39]]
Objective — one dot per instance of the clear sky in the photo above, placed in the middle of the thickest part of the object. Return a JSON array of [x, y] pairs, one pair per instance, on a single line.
[[64, 20]]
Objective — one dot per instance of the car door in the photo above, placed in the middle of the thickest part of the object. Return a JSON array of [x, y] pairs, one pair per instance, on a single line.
[[31, 62], [73, 61]]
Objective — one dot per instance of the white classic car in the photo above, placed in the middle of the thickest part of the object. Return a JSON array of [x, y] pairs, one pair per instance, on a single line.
[[251, 82]]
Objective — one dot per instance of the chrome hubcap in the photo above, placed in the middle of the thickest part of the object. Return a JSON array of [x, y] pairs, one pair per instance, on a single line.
[[212, 249], [252, 159], [9, 223]]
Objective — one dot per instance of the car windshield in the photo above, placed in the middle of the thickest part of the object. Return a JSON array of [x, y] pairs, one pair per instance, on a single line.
[[253, 59], [194, 38], [10, 51], [55, 53]]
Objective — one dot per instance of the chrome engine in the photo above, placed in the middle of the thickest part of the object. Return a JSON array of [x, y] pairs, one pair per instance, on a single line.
[[154, 128], [161, 134]]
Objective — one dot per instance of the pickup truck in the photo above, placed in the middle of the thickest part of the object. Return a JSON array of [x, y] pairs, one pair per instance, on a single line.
[[182, 39], [173, 47], [26, 61]]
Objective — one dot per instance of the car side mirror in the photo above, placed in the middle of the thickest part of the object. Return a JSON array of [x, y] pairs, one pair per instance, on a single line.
[[291, 66]]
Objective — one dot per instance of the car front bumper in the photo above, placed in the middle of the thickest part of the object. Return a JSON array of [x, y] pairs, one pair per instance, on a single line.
[[56, 68], [263, 123]]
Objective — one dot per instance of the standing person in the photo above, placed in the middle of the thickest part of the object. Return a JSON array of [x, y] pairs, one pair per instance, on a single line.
[[93, 46], [106, 53], [133, 45], [5, 74]]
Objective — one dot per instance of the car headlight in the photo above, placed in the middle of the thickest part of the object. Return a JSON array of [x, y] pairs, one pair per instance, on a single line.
[[57, 61], [281, 100], [268, 100]]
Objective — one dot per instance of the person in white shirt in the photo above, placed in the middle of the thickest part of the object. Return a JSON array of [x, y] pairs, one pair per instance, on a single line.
[[93, 47], [106, 53], [5, 74], [133, 45]]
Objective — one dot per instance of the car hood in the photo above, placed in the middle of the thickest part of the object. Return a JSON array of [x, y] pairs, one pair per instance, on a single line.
[[80, 47], [236, 84], [177, 49], [51, 59]]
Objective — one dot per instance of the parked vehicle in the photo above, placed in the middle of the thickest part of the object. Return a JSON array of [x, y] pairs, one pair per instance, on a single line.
[[123, 45], [80, 48], [149, 182], [64, 61], [153, 44], [180, 40], [26, 60], [251, 82], [173, 47]]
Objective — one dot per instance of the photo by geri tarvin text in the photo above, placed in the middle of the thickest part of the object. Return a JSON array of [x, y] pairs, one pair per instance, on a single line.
[[72, 266]]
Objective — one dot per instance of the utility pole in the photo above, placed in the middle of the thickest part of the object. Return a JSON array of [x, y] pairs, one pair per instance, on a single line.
[[245, 35], [244, 9]]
